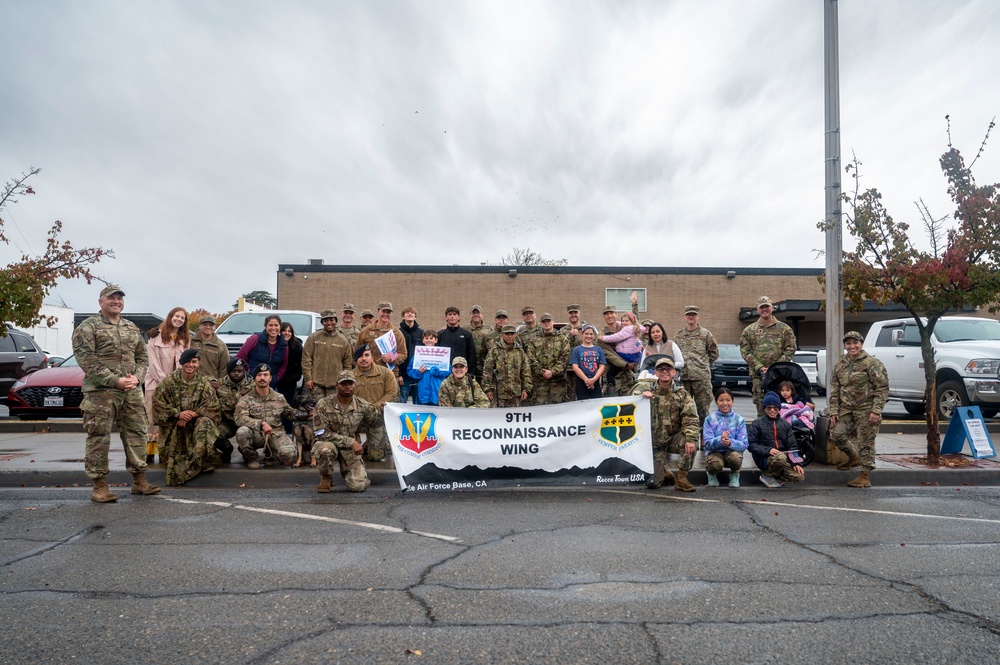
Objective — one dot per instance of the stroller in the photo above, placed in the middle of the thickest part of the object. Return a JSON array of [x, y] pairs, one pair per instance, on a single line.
[[788, 371]]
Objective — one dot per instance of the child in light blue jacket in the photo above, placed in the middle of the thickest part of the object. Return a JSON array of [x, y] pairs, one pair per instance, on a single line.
[[725, 437], [428, 378]]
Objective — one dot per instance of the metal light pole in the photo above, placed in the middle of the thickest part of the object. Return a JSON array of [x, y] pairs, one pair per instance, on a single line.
[[834, 217]]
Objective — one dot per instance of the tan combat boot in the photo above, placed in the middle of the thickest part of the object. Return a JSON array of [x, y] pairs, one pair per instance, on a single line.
[[101, 493], [682, 483], [141, 486], [850, 463], [325, 485], [861, 481]]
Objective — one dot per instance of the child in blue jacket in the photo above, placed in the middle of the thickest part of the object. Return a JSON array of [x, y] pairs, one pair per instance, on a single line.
[[428, 378]]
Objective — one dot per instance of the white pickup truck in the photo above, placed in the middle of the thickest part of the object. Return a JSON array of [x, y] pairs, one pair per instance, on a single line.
[[967, 352]]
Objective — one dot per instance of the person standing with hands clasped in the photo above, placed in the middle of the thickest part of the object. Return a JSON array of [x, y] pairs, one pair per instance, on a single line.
[[588, 363]]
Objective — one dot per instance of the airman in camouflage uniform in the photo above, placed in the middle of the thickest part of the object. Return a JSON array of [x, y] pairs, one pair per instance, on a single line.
[[507, 373], [325, 355], [530, 330], [493, 337], [479, 334], [763, 343], [186, 408], [674, 419], [380, 326], [231, 388], [112, 354], [549, 356], [214, 352], [346, 326], [460, 389], [258, 419], [700, 350], [859, 389], [338, 421]]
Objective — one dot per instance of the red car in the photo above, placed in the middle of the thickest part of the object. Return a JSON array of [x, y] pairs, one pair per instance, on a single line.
[[55, 392]]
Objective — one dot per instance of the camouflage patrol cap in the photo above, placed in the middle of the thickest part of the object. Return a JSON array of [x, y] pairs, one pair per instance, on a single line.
[[501, 314], [508, 329], [609, 308], [385, 304], [647, 322], [110, 290], [546, 317], [665, 360], [477, 308], [348, 307], [346, 376], [367, 312], [459, 360], [572, 308], [764, 301], [853, 334], [527, 310], [208, 318], [691, 309], [327, 314]]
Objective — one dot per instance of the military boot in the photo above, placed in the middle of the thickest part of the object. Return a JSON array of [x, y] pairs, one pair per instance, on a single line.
[[325, 484], [682, 483], [850, 463], [862, 480], [101, 493], [141, 486]]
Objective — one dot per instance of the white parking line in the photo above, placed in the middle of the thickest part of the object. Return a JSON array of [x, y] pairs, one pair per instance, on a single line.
[[662, 496], [318, 518], [873, 512]]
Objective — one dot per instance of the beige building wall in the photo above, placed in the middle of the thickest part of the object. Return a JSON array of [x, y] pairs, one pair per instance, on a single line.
[[720, 298]]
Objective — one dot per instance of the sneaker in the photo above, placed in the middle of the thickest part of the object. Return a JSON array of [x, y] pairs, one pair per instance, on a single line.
[[770, 482]]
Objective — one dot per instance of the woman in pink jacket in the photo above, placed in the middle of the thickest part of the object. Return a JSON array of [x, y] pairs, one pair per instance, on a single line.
[[165, 348]]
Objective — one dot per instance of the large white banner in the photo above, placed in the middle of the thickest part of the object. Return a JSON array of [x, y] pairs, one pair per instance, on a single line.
[[601, 441]]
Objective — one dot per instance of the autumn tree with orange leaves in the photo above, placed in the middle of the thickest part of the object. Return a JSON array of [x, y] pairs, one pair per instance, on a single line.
[[961, 270], [24, 284]]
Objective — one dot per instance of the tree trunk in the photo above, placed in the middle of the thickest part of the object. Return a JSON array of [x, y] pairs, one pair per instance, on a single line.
[[930, 401]]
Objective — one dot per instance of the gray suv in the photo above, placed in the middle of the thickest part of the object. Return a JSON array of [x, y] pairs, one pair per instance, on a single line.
[[19, 356]]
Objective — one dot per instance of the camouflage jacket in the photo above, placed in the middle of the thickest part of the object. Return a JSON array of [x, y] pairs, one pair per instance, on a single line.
[[762, 346], [464, 393], [671, 410], [376, 386], [108, 351], [549, 351], [342, 426], [175, 394], [479, 337], [699, 349], [507, 371], [370, 333], [214, 356], [229, 394], [324, 356], [858, 385], [526, 334], [575, 338], [252, 410], [351, 334]]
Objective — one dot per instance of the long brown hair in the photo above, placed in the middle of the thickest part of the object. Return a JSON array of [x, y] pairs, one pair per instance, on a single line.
[[183, 334]]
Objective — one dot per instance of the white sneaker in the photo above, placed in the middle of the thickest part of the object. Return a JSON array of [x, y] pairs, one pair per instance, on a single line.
[[768, 481]]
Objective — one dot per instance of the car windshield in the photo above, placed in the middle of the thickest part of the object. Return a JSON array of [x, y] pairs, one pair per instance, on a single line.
[[248, 323], [69, 362], [729, 352], [967, 330]]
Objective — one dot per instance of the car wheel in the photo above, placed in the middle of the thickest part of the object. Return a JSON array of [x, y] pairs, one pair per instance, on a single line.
[[33, 417], [914, 408], [950, 396]]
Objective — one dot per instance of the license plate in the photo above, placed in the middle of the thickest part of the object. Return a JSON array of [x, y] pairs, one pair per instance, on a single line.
[[53, 401], [741, 383]]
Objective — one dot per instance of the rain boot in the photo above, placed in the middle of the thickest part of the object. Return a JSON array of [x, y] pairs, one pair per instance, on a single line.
[[734, 479], [713, 479]]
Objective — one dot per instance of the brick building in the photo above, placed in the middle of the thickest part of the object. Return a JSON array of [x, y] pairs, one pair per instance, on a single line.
[[727, 296]]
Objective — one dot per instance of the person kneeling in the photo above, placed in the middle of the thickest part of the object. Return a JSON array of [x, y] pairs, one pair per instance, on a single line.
[[339, 419], [258, 418], [773, 446]]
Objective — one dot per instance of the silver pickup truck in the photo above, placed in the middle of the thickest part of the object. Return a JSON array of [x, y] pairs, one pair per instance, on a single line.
[[967, 351]]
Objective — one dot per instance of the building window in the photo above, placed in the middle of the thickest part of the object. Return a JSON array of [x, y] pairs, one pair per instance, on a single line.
[[622, 299]]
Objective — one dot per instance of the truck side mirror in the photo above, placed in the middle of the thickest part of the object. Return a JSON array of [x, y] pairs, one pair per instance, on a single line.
[[897, 335]]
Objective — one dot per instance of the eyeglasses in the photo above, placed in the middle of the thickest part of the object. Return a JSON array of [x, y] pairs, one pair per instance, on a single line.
[[664, 368], [772, 406]]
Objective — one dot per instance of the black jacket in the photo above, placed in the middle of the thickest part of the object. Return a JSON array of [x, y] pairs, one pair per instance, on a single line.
[[764, 434], [414, 336], [460, 341]]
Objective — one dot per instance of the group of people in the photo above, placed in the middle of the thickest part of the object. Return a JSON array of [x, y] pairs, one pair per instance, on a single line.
[[199, 398]]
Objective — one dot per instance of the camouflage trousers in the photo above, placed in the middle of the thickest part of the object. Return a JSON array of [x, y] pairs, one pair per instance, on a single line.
[[701, 392], [758, 397], [856, 437], [552, 391], [675, 445], [351, 466], [319, 392], [507, 402], [779, 467], [376, 446], [716, 461], [192, 449], [278, 445], [102, 409]]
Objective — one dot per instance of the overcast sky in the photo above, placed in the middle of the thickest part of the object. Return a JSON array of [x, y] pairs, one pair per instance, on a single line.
[[207, 142]]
